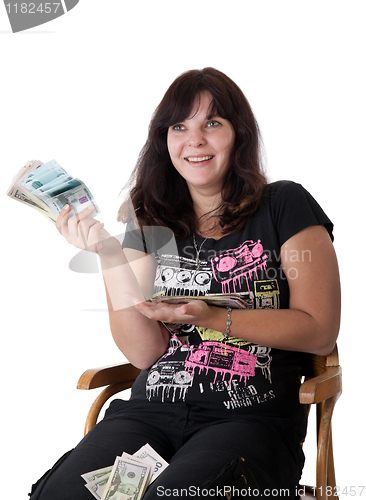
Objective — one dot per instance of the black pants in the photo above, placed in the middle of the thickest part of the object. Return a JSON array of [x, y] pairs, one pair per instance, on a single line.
[[211, 455]]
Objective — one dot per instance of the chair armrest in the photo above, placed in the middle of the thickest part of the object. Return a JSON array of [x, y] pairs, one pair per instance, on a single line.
[[107, 375], [322, 387]]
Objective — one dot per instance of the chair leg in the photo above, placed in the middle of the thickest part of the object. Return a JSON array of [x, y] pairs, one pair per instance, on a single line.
[[331, 470], [325, 475]]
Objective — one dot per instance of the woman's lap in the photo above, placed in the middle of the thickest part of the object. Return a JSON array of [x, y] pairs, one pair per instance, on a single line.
[[251, 455], [198, 445]]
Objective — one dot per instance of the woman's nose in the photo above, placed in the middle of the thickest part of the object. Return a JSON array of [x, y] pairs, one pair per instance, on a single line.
[[196, 138]]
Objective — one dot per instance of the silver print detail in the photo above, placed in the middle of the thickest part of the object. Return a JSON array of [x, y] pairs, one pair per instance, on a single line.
[[178, 276], [171, 378]]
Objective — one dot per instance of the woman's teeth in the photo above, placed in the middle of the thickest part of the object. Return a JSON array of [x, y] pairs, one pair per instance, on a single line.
[[200, 158]]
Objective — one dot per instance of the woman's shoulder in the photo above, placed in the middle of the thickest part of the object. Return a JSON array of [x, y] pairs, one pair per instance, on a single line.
[[286, 192], [293, 208], [277, 188]]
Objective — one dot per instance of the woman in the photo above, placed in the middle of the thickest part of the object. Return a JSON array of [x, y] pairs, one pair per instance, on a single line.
[[218, 393]]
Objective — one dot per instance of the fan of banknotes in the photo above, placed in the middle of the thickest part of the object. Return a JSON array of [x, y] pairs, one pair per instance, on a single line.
[[128, 477], [47, 187]]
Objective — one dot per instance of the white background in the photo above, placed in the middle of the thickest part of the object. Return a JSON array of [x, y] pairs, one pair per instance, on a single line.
[[81, 89]]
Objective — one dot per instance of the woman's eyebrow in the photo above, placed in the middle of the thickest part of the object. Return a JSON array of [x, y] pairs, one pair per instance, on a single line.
[[212, 111]]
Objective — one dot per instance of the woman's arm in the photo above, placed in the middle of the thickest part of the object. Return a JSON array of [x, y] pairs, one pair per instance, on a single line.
[[311, 323], [140, 339]]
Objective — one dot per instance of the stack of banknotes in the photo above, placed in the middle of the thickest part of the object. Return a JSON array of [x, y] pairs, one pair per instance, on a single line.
[[128, 477], [234, 300], [48, 187]]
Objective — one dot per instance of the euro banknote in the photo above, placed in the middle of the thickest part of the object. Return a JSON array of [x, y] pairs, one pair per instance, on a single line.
[[47, 187]]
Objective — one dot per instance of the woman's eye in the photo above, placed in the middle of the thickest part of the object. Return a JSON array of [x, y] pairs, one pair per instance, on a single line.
[[179, 126], [213, 123]]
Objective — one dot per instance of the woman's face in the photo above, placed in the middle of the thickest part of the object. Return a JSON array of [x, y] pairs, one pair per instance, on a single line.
[[200, 148]]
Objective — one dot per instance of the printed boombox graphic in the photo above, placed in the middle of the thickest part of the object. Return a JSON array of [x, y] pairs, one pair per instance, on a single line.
[[230, 266], [171, 377], [178, 276], [222, 359], [170, 373]]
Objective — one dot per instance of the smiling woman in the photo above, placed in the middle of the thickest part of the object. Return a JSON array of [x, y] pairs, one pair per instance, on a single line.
[[202, 110], [200, 149], [220, 384]]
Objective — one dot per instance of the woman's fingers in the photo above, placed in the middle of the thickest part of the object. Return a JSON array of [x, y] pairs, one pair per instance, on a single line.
[[75, 220], [168, 313], [61, 221], [79, 230], [83, 229], [85, 233]]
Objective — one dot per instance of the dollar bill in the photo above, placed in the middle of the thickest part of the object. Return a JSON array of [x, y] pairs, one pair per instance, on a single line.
[[128, 480], [97, 480], [97, 486], [48, 187], [146, 452], [89, 477], [33, 202], [19, 193]]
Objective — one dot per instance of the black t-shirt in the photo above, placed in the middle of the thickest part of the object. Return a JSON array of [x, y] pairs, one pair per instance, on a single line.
[[202, 366]]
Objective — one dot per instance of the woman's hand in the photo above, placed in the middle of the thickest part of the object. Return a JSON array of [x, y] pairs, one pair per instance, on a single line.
[[86, 234], [194, 312]]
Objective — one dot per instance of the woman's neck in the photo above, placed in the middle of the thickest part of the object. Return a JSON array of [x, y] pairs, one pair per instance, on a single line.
[[207, 222], [204, 201], [207, 207]]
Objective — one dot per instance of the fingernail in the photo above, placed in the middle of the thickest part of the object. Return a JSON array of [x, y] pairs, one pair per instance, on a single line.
[[91, 208], [65, 207]]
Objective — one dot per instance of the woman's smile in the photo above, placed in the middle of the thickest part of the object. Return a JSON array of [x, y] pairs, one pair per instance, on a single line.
[[199, 159]]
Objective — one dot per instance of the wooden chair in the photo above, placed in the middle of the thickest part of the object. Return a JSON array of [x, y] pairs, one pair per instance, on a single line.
[[321, 386]]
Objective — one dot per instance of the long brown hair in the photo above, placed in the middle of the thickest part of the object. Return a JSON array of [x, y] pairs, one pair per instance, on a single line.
[[159, 194]]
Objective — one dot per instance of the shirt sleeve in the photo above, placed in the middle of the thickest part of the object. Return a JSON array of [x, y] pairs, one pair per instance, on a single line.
[[294, 209], [134, 238], [149, 239]]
